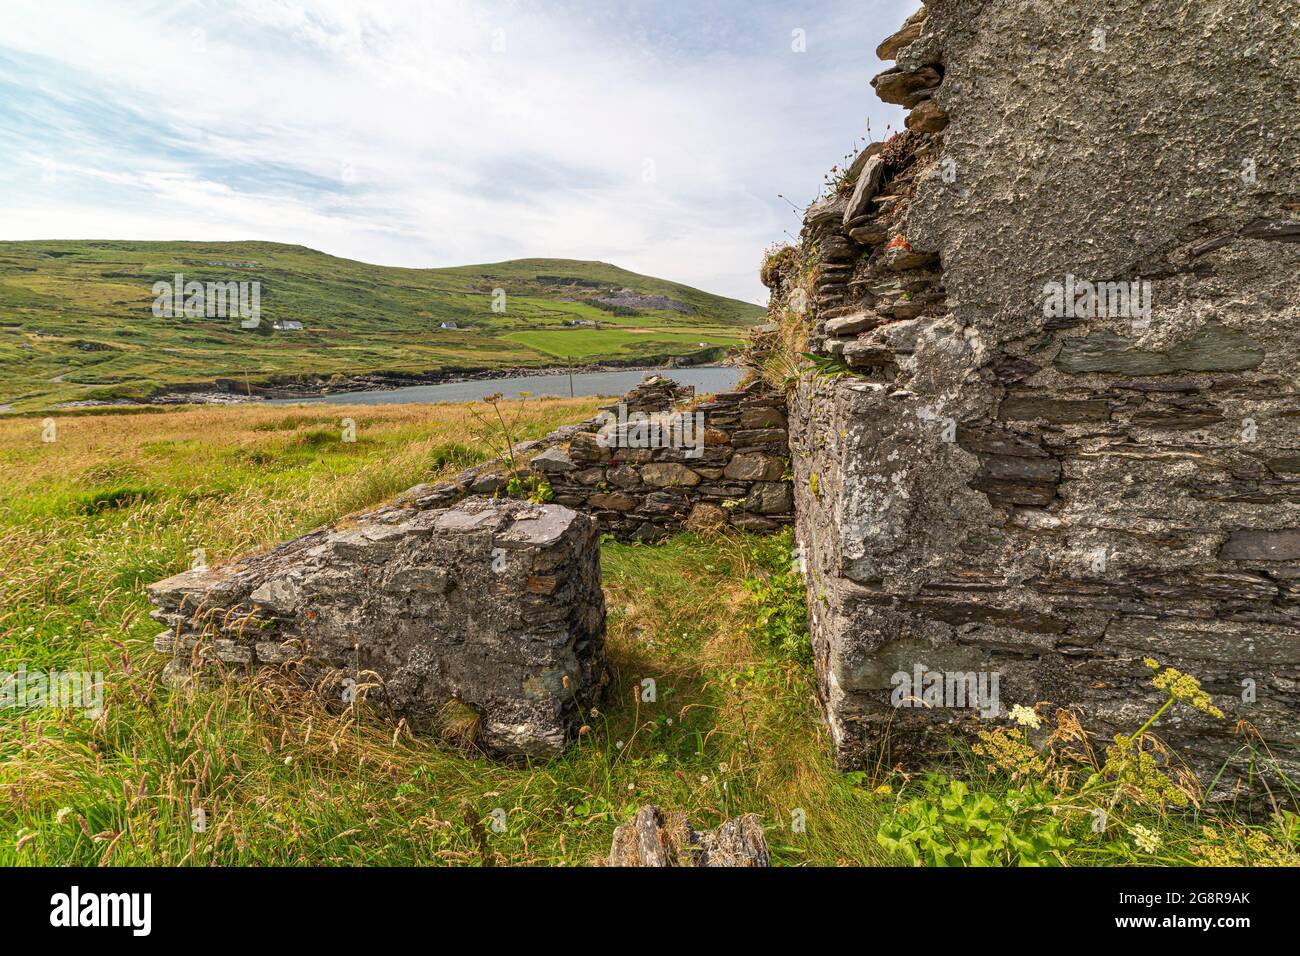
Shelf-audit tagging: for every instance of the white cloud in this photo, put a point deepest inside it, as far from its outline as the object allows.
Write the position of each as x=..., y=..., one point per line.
x=404, y=133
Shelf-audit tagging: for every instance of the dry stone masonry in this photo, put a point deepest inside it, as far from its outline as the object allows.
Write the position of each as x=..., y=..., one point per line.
x=462, y=595
x=495, y=605
x=658, y=461
x=1063, y=433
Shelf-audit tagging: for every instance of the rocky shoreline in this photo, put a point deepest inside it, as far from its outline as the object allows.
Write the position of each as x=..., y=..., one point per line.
x=225, y=391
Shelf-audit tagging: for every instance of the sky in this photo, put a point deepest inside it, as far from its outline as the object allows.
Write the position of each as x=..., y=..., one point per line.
x=654, y=135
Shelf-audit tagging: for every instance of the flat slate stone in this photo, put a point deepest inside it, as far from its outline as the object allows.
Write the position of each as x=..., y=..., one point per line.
x=1214, y=348
x=1281, y=545
x=553, y=460
x=864, y=190
x=1062, y=411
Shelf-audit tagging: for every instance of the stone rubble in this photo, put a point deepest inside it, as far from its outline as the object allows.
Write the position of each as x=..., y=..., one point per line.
x=652, y=840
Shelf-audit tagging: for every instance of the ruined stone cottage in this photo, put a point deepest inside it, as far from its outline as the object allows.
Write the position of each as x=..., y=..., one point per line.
x=1055, y=425
x=464, y=597
x=1051, y=427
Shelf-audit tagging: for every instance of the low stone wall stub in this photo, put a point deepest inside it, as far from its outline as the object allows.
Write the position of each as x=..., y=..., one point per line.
x=495, y=604
x=654, y=463
x=719, y=463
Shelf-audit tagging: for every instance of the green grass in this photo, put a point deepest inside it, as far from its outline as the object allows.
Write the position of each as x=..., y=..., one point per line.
x=121, y=500
x=76, y=319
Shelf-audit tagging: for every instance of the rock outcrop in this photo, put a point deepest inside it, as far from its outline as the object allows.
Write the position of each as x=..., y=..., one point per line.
x=1064, y=432
x=494, y=607
x=652, y=840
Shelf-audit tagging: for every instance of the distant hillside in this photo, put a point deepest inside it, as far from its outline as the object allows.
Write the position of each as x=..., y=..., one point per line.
x=77, y=319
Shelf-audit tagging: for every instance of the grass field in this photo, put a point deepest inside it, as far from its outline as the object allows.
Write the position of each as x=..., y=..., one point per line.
x=77, y=319
x=116, y=501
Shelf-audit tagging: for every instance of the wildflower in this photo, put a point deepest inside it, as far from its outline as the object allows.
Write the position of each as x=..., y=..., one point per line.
x=1148, y=840
x=1182, y=687
x=288, y=760
x=1242, y=848
x=619, y=745
x=1025, y=716
x=704, y=778
x=1140, y=775
x=584, y=729
x=1007, y=750
x=63, y=814
x=595, y=712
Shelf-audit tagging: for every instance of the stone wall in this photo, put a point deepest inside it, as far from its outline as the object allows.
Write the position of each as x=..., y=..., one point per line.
x=464, y=592
x=496, y=605
x=707, y=465
x=996, y=484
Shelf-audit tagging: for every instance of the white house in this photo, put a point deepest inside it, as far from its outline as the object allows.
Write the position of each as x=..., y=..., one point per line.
x=287, y=326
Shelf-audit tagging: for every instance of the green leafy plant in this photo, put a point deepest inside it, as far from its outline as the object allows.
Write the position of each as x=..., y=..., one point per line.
x=951, y=826
x=1115, y=806
x=778, y=605
x=535, y=489
x=828, y=366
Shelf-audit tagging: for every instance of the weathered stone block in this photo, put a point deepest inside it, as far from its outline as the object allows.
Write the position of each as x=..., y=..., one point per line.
x=553, y=460
x=668, y=475
x=770, y=498
x=495, y=604
x=760, y=436
x=906, y=88
x=762, y=417
x=652, y=840
x=754, y=467
x=615, y=501
x=624, y=476
x=1061, y=411
x=587, y=447
x=1212, y=349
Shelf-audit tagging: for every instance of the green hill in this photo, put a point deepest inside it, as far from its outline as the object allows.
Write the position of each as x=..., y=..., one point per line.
x=77, y=319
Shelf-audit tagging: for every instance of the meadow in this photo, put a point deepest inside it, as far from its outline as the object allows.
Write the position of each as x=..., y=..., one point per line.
x=77, y=321
x=112, y=502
